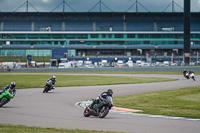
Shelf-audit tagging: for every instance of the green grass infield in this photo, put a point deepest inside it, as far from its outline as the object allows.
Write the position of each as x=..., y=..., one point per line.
x=38, y=81
x=184, y=102
x=4, y=128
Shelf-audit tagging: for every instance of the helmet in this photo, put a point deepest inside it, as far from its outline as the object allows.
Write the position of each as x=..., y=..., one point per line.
x=109, y=92
x=13, y=84
x=54, y=78
x=104, y=95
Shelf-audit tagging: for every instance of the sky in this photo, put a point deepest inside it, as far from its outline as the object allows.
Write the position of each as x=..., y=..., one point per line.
x=86, y=5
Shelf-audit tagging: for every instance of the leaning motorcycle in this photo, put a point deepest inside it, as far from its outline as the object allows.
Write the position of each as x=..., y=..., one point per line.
x=192, y=76
x=101, y=109
x=187, y=76
x=48, y=86
x=5, y=97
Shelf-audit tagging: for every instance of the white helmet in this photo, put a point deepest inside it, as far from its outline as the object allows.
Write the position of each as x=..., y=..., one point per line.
x=54, y=77
x=13, y=84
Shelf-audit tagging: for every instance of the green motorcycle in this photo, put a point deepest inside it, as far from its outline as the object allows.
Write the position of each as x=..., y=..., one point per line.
x=5, y=97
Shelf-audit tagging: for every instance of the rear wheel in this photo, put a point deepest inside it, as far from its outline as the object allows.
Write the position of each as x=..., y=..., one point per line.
x=3, y=102
x=86, y=112
x=103, y=111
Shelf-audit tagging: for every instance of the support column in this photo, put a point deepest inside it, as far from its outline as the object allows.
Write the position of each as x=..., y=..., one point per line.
x=2, y=24
x=32, y=26
x=155, y=26
x=94, y=26
x=63, y=26
x=124, y=26
x=187, y=51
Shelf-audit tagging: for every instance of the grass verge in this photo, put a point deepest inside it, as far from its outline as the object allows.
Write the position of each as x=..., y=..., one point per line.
x=38, y=81
x=4, y=128
x=184, y=102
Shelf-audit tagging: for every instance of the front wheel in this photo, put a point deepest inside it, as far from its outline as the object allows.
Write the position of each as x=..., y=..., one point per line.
x=86, y=112
x=45, y=90
x=193, y=78
x=3, y=102
x=103, y=111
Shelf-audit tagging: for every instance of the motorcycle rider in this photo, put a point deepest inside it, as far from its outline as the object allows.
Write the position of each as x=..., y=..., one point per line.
x=53, y=79
x=11, y=86
x=103, y=96
x=184, y=72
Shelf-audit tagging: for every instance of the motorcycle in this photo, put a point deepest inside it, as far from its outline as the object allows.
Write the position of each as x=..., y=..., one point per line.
x=192, y=76
x=187, y=76
x=101, y=109
x=48, y=86
x=5, y=97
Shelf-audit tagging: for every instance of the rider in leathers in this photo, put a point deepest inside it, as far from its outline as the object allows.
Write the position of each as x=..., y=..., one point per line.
x=53, y=79
x=184, y=72
x=103, y=96
x=11, y=87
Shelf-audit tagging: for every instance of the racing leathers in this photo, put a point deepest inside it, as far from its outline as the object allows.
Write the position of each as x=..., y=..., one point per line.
x=9, y=87
x=53, y=82
x=98, y=100
x=184, y=73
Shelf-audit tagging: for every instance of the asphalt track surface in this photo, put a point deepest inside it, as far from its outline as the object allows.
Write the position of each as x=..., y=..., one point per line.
x=57, y=109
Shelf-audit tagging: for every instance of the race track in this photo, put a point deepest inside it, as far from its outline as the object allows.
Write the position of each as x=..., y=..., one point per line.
x=57, y=109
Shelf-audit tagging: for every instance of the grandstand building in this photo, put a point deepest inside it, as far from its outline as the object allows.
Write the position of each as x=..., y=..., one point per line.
x=97, y=34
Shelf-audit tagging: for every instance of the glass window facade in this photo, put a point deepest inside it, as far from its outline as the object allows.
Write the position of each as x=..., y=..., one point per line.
x=131, y=36
x=72, y=52
x=16, y=52
x=119, y=36
x=97, y=38
x=94, y=36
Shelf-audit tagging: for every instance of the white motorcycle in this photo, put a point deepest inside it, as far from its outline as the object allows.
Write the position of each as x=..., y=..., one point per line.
x=192, y=76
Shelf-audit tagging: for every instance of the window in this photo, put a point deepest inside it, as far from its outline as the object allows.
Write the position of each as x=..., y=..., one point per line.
x=94, y=35
x=179, y=36
x=167, y=36
x=70, y=36
x=109, y=35
x=33, y=36
x=103, y=35
x=45, y=36
x=57, y=36
x=155, y=36
x=118, y=35
x=130, y=35
x=6, y=36
x=82, y=36
x=19, y=36
x=143, y=35
x=146, y=42
x=196, y=36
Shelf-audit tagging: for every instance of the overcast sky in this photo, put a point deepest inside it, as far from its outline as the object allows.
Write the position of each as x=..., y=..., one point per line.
x=86, y=5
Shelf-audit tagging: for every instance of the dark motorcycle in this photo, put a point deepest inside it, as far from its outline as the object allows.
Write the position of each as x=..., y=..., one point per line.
x=48, y=86
x=101, y=109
